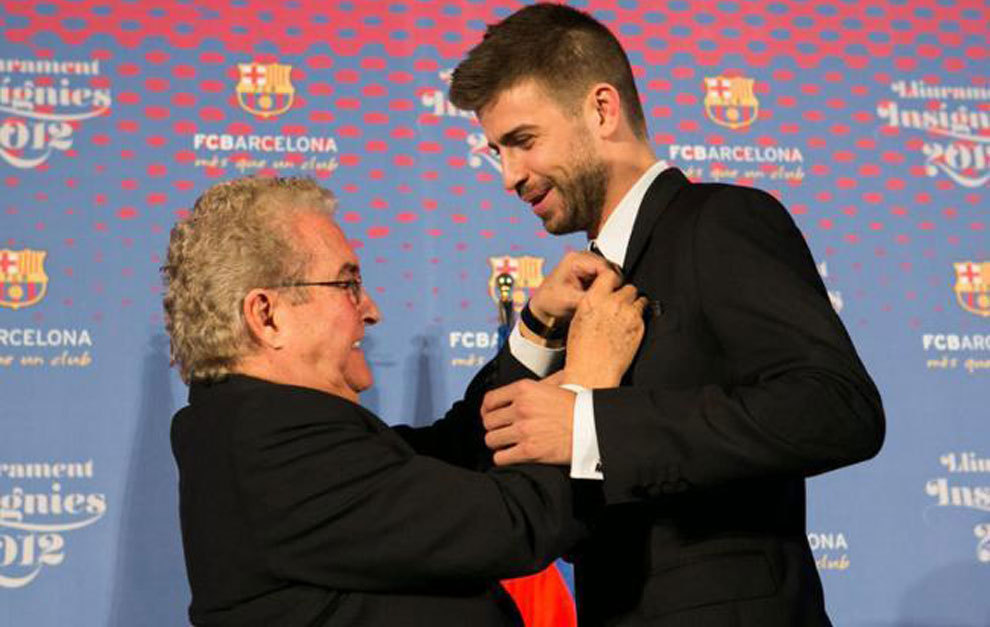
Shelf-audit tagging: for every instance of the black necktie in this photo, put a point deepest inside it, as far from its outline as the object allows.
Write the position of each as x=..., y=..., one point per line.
x=593, y=247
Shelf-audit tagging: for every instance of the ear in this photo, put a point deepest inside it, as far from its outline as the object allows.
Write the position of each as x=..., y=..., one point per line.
x=604, y=109
x=260, y=311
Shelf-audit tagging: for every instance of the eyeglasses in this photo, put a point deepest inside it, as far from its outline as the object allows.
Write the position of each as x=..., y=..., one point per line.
x=353, y=286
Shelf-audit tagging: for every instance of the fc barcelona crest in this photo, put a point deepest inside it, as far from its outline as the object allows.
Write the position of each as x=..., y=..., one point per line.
x=973, y=287
x=730, y=101
x=514, y=278
x=23, y=281
x=265, y=89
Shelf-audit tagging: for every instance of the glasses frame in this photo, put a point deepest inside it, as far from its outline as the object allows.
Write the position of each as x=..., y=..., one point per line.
x=355, y=287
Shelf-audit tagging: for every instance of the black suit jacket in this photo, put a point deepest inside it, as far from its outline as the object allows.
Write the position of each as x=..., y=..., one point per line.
x=745, y=384
x=301, y=508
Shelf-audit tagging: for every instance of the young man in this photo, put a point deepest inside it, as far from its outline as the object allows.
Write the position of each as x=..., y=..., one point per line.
x=746, y=381
x=300, y=507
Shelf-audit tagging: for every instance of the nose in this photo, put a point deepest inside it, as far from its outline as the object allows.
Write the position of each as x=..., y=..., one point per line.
x=370, y=313
x=513, y=176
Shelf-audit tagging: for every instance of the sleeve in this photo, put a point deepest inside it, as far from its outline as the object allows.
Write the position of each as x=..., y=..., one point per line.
x=538, y=359
x=586, y=461
x=795, y=398
x=459, y=437
x=337, y=504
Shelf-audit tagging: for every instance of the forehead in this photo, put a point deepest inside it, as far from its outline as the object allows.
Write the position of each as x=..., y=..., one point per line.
x=525, y=103
x=320, y=236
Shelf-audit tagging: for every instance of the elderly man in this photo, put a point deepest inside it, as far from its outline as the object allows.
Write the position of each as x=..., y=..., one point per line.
x=300, y=507
x=746, y=382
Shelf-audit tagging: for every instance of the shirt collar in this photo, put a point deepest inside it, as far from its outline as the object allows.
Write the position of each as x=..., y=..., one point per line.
x=613, y=240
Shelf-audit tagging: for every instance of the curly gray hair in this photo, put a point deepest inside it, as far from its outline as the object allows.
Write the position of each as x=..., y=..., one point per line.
x=237, y=237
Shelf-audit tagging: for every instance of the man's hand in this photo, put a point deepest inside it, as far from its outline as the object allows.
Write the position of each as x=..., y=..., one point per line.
x=605, y=334
x=559, y=294
x=529, y=421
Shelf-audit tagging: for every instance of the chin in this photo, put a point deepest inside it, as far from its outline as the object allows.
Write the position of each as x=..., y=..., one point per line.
x=559, y=228
x=552, y=223
x=360, y=382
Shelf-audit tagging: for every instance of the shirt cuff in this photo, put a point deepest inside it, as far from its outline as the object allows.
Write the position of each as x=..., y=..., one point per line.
x=585, y=457
x=539, y=359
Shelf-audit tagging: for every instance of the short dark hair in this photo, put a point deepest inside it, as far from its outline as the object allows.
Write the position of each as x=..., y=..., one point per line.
x=564, y=49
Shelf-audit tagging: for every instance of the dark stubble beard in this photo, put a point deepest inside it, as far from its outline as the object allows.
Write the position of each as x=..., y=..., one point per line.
x=582, y=192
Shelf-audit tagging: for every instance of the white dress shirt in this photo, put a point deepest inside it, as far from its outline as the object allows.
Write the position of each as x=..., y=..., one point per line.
x=612, y=242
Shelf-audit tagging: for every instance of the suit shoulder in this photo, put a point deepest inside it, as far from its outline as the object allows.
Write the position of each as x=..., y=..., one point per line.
x=273, y=396
x=696, y=198
x=288, y=405
x=251, y=406
x=737, y=205
x=726, y=194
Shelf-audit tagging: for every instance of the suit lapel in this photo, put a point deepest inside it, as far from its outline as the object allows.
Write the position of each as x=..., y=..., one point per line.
x=657, y=198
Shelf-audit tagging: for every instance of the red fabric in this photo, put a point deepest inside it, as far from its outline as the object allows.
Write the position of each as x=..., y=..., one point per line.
x=543, y=599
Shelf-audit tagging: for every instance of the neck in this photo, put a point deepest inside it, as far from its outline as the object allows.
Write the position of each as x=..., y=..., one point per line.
x=262, y=367
x=629, y=164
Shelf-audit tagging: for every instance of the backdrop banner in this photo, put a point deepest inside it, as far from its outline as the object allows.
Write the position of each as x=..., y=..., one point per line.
x=870, y=121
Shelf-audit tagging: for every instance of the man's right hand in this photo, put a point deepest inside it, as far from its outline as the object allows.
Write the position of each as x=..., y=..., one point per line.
x=557, y=298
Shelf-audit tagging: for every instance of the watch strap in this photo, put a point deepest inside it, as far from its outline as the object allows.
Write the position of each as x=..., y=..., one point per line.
x=533, y=323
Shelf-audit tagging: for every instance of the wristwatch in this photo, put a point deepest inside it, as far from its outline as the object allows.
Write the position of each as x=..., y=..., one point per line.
x=552, y=332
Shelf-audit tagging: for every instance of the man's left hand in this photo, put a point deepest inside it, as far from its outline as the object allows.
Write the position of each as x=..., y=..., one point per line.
x=529, y=421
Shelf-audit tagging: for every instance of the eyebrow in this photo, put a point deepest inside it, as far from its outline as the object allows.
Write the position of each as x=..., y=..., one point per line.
x=512, y=137
x=349, y=269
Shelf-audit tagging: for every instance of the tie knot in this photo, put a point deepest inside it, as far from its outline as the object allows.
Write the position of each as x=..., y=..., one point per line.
x=593, y=247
